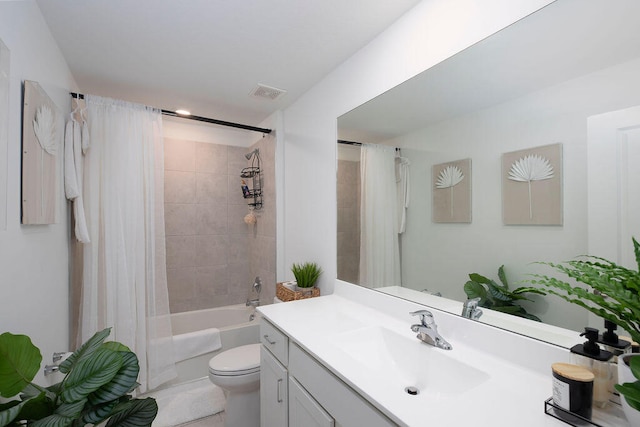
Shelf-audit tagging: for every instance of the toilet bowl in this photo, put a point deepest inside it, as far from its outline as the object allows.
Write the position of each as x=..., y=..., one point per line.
x=237, y=373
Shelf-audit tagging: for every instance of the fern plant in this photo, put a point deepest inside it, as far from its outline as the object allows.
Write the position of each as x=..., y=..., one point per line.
x=498, y=297
x=306, y=274
x=616, y=289
x=99, y=377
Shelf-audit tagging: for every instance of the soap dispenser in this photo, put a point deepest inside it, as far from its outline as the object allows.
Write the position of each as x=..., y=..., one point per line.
x=611, y=341
x=592, y=357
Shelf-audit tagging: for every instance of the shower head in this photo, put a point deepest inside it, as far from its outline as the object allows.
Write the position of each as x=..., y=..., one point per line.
x=248, y=155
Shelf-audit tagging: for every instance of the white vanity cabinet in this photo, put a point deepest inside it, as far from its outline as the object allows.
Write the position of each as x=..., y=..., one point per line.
x=274, y=400
x=296, y=390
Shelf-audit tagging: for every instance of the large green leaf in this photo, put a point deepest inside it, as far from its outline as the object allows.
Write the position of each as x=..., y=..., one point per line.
x=475, y=290
x=99, y=413
x=503, y=277
x=478, y=278
x=19, y=363
x=53, y=420
x=135, y=413
x=36, y=407
x=90, y=373
x=71, y=410
x=85, y=350
x=9, y=411
x=121, y=383
x=631, y=393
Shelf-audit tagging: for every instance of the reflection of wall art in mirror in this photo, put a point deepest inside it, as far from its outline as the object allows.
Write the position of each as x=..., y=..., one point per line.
x=41, y=135
x=452, y=192
x=532, y=186
x=4, y=131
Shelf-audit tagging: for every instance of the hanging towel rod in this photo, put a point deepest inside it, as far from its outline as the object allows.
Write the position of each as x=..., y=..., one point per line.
x=200, y=119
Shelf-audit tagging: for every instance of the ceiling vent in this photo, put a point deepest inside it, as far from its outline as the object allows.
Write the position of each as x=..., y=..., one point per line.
x=267, y=92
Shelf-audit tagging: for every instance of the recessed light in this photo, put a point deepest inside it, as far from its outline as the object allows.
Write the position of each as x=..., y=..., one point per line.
x=183, y=112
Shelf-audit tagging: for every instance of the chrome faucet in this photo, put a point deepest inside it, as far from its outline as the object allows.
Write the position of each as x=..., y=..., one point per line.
x=470, y=309
x=428, y=330
x=256, y=287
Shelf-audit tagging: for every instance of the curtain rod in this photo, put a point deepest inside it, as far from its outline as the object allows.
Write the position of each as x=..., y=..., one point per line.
x=358, y=144
x=200, y=119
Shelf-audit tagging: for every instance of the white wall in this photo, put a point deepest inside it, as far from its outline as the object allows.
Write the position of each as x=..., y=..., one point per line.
x=554, y=115
x=34, y=260
x=429, y=33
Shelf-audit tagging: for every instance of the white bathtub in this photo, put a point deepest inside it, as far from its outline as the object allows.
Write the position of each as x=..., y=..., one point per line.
x=235, y=330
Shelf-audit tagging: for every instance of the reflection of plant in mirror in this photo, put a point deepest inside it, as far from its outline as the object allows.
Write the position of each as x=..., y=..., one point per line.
x=499, y=297
x=99, y=377
x=616, y=289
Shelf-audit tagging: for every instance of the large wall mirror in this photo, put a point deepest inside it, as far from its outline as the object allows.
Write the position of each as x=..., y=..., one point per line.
x=534, y=84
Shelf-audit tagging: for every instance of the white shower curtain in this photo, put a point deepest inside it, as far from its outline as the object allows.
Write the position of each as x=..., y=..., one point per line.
x=379, y=247
x=124, y=282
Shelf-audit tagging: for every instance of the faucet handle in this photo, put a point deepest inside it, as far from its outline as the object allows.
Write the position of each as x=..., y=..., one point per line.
x=426, y=317
x=472, y=302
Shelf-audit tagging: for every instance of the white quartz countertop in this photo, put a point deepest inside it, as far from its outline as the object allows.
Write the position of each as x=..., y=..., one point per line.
x=507, y=395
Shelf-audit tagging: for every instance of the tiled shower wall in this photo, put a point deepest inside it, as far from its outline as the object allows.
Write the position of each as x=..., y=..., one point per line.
x=212, y=255
x=348, y=194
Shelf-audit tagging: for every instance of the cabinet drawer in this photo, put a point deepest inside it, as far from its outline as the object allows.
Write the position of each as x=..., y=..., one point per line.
x=347, y=407
x=275, y=341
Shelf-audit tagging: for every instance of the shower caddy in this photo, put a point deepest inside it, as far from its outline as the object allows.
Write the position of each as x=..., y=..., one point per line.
x=254, y=193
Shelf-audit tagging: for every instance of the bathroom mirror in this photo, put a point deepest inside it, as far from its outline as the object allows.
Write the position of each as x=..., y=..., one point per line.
x=533, y=84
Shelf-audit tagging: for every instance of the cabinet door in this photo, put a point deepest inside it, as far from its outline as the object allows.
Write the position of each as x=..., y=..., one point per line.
x=273, y=391
x=304, y=411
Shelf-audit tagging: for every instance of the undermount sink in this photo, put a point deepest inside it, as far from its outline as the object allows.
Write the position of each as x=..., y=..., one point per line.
x=402, y=362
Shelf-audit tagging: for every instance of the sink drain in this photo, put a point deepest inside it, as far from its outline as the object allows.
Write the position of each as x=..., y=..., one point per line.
x=412, y=390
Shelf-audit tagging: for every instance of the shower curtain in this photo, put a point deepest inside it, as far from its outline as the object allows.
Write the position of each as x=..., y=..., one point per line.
x=124, y=282
x=379, y=247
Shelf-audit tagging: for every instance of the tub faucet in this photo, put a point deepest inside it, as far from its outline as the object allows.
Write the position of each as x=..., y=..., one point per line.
x=257, y=287
x=470, y=309
x=428, y=330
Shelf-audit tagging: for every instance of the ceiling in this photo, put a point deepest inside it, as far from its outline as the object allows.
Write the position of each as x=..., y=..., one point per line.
x=206, y=56
x=534, y=53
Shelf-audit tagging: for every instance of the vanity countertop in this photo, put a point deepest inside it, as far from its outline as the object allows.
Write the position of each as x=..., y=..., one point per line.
x=505, y=393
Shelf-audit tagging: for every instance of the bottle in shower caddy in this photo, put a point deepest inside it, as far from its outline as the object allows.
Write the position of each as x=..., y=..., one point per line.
x=592, y=357
x=245, y=188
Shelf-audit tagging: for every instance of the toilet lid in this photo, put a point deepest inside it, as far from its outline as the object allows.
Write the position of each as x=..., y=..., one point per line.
x=236, y=361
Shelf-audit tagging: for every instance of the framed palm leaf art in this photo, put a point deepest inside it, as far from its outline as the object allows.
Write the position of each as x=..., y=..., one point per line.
x=532, y=186
x=452, y=192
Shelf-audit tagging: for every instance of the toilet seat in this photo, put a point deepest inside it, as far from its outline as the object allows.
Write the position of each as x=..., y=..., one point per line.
x=241, y=360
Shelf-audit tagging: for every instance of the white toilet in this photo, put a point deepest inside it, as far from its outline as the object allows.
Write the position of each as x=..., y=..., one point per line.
x=237, y=372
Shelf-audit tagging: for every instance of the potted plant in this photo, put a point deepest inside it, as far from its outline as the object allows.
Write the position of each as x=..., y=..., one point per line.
x=628, y=370
x=498, y=297
x=611, y=292
x=306, y=274
x=99, y=378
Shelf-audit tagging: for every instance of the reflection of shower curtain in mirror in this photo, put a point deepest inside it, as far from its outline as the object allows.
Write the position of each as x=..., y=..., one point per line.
x=379, y=247
x=124, y=283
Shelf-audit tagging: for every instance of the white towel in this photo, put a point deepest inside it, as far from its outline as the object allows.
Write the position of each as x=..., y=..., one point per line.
x=70, y=180
x=73, y=175
x=192, y=344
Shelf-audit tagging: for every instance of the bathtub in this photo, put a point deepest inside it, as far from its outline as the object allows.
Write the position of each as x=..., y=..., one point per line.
x=236, y=329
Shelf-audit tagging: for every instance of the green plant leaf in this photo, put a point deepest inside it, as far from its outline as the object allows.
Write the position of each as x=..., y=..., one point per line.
x=71, y=410
x=115, y=346
x=631, y=393
x=53, y=420
x=85, y=350
x=475, y=290
x=19, y=363
x=634, y=364
x=121, y=383
x=99, y=413
x=478, y=278
x=135, y=413
x=37, y=407
x=503, y=277
x=530, y=290
x=306, y=274
x=9, y=411
x=90, y=373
